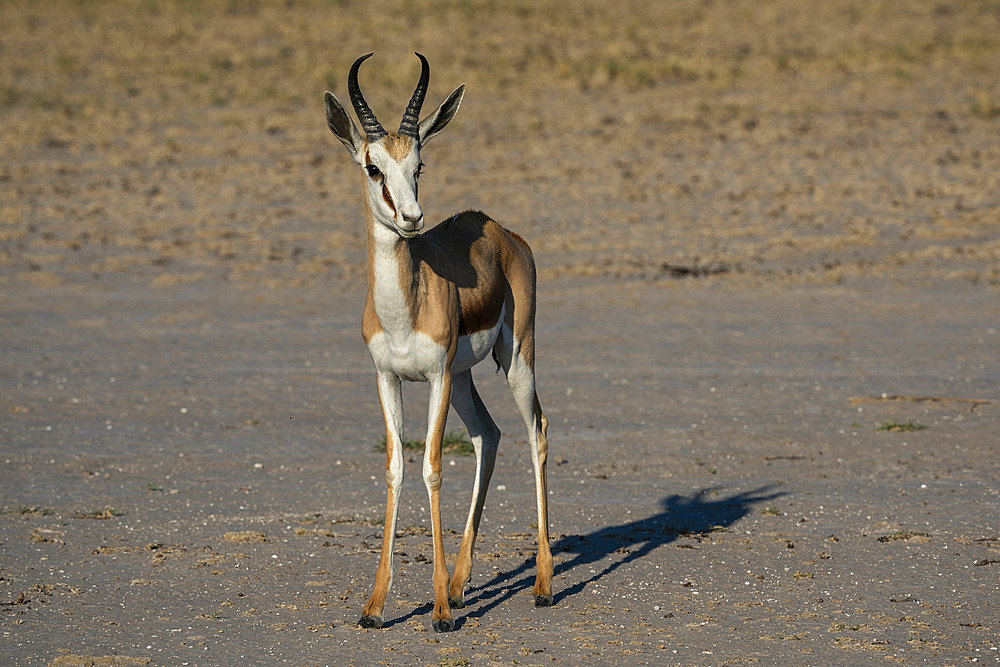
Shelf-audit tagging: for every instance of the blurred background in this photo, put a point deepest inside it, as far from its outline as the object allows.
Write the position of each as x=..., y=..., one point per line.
x=183, y=141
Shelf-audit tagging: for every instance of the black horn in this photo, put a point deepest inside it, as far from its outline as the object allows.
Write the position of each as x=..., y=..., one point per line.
x=411, y=117
x=369, y=123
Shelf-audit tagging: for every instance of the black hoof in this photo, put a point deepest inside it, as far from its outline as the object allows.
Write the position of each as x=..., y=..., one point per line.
x=370, y=622
x=444, y=625
x=456, y=603
x=543, y=600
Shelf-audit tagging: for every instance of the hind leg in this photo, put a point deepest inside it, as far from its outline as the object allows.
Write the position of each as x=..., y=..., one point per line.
x=521, y=379
x=485, y=438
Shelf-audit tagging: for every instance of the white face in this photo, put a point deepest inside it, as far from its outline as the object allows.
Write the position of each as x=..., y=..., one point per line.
x=391, y=167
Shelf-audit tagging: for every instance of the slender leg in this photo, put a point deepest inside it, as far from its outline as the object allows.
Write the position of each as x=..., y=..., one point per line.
x=485, y=439
x=391, y=397
x=521, y=379
x=437, y=413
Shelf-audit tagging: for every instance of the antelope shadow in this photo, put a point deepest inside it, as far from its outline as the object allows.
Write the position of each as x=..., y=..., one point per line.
x=700, y=513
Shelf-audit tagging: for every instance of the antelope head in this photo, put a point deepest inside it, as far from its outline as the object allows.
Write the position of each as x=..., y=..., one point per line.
x=390, y=161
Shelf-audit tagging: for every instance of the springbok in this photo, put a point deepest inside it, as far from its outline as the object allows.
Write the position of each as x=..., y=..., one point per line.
x=438, y=303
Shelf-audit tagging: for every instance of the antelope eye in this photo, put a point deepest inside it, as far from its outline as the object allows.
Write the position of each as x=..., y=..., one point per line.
x=416, y=174
x=373, y=171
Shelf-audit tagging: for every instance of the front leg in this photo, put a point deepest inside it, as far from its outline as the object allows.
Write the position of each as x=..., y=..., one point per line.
x=437, y=414
x=391, y=397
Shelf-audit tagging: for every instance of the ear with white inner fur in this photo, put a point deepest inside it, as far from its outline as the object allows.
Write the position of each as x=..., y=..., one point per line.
x=343, y=127
x=442, y=115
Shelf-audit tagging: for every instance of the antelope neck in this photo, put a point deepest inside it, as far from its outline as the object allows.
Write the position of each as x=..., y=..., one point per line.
x=392, y=281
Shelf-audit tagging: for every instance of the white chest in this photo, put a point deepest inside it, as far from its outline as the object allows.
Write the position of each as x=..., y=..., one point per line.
x=412, y=356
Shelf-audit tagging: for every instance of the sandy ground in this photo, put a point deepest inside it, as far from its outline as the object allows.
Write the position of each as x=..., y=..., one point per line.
x=743, y=281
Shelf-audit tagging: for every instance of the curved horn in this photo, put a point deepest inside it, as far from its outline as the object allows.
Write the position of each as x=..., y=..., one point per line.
x=411, y=117
x=369, y=123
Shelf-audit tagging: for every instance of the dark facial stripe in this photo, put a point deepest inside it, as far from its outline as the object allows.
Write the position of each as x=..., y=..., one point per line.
x=388, y=198
x=385, y=191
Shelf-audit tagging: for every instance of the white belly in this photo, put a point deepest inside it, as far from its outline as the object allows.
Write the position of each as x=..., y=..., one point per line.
x=475, y=347
x=415, y=357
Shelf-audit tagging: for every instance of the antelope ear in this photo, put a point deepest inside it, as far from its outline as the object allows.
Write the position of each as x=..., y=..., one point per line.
x=343, y=127
x=437, y=121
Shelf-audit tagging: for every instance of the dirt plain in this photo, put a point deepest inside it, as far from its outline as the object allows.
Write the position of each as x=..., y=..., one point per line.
x=769, y=247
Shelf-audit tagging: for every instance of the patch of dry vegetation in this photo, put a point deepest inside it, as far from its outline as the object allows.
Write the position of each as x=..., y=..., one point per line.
x=115, y=55
x=177, y=142
x=245, y=536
